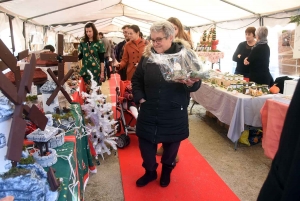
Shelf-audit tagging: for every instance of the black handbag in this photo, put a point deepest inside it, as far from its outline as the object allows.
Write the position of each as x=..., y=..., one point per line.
x=123, y=73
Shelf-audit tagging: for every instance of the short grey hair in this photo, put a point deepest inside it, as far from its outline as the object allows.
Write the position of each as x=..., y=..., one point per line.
x=262, y=32
x=163, y=26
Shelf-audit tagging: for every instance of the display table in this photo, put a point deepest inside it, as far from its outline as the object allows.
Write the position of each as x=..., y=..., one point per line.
x=213, y=57
x=70, y=188
x=76, y=144
x=234, y=110
x=63, y=169
x=273, y=115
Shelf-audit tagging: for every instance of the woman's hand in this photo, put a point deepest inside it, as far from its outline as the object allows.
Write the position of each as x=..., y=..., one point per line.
x=142, y=101
x=188, y=82
x=239, y=56
x=117, y=64
x=246, y=62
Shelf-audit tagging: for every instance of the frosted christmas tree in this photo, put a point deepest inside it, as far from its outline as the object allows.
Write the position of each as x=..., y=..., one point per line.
x=204, y=36
x=214, y=41
x=103, y=126
x=214, y=34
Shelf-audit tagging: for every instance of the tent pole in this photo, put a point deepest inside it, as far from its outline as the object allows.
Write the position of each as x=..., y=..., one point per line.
x=10, y=18
x=24, y=33
x=181, y=10
x=5, y=1
x=261, y=21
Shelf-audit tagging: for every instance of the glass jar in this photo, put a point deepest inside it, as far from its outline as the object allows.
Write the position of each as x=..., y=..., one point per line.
x=265, y=88
x=239, y=85
x=233, y=86
x=251, y=84
x=246, y=90
x=253, y=90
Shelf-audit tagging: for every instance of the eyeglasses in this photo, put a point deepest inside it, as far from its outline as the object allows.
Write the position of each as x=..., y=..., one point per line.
x=157, y=40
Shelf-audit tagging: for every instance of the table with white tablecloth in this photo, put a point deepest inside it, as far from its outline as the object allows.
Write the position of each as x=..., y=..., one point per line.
x=235, y=110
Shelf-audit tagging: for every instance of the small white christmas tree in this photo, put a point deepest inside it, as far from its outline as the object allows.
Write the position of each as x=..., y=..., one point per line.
x=99, y=112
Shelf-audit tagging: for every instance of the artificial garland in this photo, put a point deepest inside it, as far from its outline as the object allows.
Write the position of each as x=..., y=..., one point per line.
x=295, y=19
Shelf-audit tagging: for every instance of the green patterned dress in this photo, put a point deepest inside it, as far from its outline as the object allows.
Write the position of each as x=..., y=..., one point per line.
x=90, y=59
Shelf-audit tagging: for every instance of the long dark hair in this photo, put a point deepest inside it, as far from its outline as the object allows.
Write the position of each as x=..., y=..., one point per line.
x=95, y=32
x=181, y=34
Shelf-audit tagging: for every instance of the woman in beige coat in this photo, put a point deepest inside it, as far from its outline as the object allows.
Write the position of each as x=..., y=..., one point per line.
x=133, y=51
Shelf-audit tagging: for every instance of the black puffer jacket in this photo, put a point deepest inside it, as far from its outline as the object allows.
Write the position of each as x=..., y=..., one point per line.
x=163, y=117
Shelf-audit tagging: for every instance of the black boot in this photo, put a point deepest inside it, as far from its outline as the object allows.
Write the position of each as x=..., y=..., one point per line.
x=146, y=178
x=165, y=175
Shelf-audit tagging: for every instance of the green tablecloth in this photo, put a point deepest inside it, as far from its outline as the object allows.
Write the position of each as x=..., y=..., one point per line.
x=63, y=170
x=81, y=160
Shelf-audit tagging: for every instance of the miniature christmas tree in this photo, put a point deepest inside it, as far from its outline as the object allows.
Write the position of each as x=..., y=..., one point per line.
x=210, y=35
x=204, y=36
x=214, y=35
x=102, y=126
x=214, y=42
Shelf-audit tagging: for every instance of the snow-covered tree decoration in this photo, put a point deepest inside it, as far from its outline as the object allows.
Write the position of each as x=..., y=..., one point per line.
x=214, y=34
x=204, y=36
x=99, y=112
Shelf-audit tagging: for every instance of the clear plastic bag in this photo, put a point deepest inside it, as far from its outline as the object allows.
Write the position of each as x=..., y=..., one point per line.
x=179, y=66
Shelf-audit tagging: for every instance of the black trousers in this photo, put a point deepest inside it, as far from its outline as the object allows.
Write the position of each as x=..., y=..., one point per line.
x=148, y=152
x=106, y=67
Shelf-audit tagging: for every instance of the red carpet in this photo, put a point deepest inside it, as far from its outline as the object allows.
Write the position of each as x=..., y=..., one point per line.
x=192, y=178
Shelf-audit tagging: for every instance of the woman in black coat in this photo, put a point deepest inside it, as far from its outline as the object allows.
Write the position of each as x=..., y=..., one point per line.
x=259, y=59
x=242, y=51
x=163, y=116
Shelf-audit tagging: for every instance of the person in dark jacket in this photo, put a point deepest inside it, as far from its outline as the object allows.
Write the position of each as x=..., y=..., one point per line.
x=119, y=49
x=242, y=51
x=259, y=59
x=163, y=116
x=283, y=181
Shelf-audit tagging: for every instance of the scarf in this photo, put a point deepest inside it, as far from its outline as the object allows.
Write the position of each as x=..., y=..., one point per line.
x=260, y=42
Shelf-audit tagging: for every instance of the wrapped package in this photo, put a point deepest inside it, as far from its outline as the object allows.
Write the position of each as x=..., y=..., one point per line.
x=180, y=66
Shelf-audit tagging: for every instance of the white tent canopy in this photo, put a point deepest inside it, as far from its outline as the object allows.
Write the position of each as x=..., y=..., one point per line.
x=141, y=12
x=230, y=17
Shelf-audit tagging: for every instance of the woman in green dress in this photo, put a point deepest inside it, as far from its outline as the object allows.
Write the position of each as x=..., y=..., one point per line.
x=91, y=50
